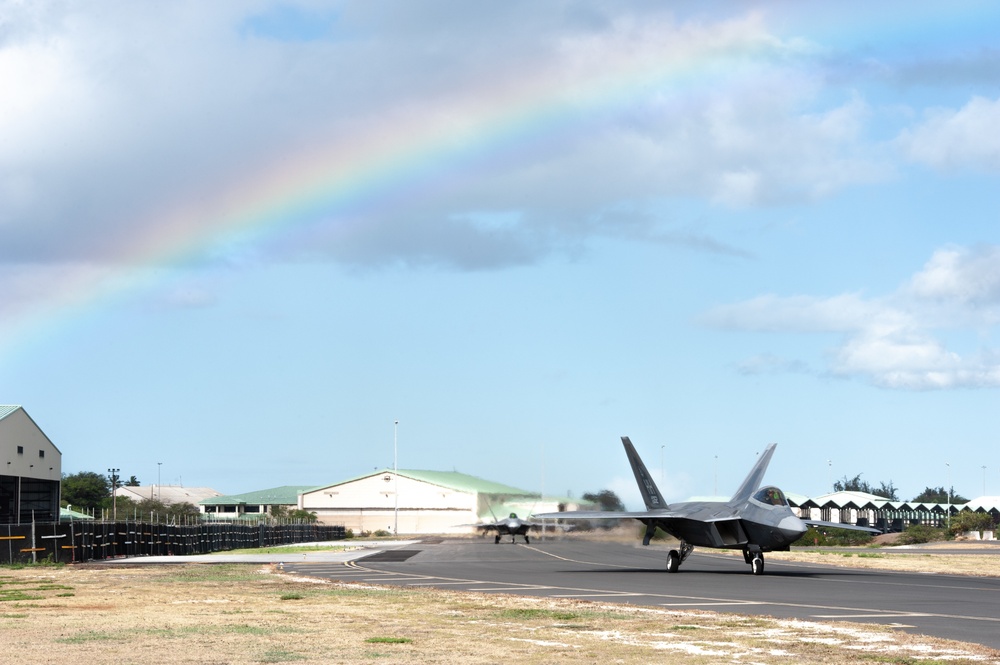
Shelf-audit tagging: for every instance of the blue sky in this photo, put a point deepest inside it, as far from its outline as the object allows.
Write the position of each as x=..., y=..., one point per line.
x=238, y=241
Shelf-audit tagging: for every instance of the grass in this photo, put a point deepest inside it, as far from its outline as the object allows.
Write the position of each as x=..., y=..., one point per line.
x=527, y=614
x=85, y=637
x=289, y=549
x=238, y=613
x=14, y=590
x=213, y=572
x=279, y=656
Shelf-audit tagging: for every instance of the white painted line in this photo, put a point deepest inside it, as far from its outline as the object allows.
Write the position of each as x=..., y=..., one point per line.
x=908, y=615
x=510, y=588
x=444, y=583
x=595, y=595
x=713, y=604
x=402, y=579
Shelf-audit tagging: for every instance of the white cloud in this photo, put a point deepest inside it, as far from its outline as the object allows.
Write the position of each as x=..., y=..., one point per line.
x=965, y=275
x=963, y=138
x=768, y=363
x=893, y=341
x=123, y=114
x=772, y=313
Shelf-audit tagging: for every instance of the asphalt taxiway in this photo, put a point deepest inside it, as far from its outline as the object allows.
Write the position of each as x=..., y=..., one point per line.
x=950, y=606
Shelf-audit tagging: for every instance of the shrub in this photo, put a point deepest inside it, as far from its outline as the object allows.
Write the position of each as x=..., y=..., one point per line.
x=919, y=533
x=966, y=520
x=831, y=537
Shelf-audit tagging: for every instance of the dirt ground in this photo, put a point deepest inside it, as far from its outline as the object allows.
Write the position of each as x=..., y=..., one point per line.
x=246, y=613
x=920, y=560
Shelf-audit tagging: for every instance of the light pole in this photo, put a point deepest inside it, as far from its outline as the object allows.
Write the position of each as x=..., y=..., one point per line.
x=159, y=465
x=114, y=502
x=948, y=489
x=395, y=478
x=715, y=486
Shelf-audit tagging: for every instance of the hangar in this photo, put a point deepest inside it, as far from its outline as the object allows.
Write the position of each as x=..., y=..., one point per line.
x=29, y=484
x=865, y=509
x=415, y=502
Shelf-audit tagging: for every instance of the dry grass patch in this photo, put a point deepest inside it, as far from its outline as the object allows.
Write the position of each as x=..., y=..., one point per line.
x=235, y=613
x=982, y=565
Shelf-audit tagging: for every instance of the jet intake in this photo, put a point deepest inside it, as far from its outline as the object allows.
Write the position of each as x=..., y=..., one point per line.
x=729, y=533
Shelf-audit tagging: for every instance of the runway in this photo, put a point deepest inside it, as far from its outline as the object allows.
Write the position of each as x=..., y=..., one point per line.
x=948, y=606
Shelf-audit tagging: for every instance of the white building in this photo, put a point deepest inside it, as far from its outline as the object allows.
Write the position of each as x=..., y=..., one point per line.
x=419, y=502
x=31, y=470
x=167, y=494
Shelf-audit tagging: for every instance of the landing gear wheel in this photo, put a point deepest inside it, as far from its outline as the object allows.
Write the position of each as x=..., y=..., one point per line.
x=673, y=561
x=757, y=564
x=497, y=540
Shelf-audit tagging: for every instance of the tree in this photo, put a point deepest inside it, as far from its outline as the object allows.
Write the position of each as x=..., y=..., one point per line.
x=855, y=484
x=183, y=511
x=133, y=482
x=888, y=491
x=86, y=489
x=154, y=507
x=279, y=512
x=607, y=500
x=967, y=520
x=304, y=516
x=121, y=507
x=939, y=495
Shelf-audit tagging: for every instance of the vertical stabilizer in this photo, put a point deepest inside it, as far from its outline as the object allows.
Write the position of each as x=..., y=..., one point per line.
x=754, y=478
x=650, y=494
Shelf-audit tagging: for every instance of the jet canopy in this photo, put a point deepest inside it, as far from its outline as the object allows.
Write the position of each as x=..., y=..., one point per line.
x=771, y=496
x=513, y=516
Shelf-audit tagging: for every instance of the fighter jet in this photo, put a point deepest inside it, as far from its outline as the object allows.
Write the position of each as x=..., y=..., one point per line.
x=753, y=520
x=510, y=526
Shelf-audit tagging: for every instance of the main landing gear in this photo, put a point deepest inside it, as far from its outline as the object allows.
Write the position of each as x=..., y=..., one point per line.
x=756, y=560
x=675, y=558
x=513, y=539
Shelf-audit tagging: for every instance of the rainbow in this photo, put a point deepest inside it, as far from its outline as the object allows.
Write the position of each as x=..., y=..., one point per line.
x=376, y=169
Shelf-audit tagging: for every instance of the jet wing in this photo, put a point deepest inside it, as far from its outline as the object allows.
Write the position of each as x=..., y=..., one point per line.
x=484, y=527
x=608, y=515
x=838, y=525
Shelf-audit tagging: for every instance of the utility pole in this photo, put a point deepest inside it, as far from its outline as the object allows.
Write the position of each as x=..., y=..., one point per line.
x=947, y=464
x=114, y=502
x=395, y=476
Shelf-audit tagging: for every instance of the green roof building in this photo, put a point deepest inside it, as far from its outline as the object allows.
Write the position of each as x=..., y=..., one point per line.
x=418, y=502
x=252, y=504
